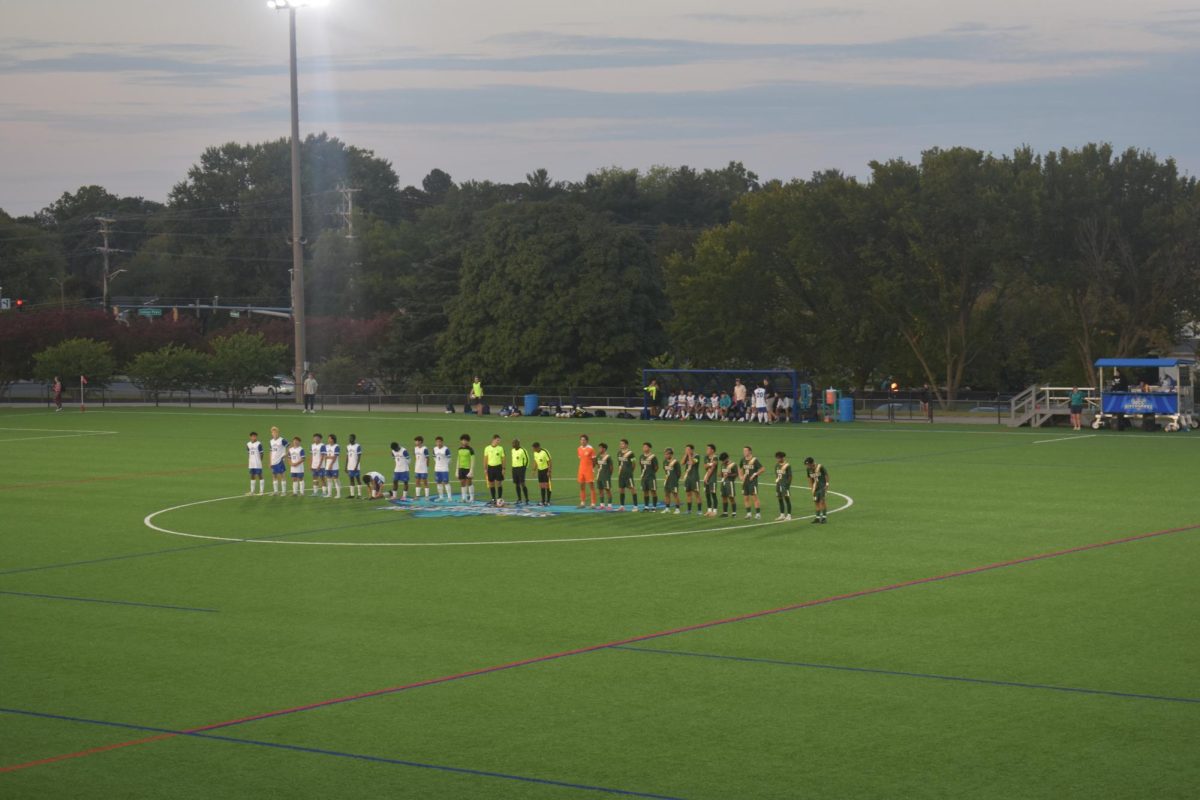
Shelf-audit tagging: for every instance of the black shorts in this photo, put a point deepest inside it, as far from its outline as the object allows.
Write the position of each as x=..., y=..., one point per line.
x=495, y=474
x=625, y=481
x=543, y=476
x=1076, y=409
x=463, y=473
x=649, y=483
x=518, y=475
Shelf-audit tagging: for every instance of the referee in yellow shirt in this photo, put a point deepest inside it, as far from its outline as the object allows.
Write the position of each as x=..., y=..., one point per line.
x=520, y=461
x=542, y=461
x=493, y=459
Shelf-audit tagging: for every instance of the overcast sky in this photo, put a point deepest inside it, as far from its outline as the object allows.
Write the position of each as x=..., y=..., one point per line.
x=127, y=93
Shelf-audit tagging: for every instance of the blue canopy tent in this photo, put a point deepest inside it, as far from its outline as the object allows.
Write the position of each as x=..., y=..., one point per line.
x=1170, y=396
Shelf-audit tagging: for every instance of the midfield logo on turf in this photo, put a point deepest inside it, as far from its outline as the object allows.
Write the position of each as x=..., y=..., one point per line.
x=439, y=510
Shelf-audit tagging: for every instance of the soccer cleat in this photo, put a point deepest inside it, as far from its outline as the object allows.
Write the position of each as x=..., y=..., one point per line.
x=747, y=515
x=815, y=521
x=635, y=509
x=758, y=516
x=787, y=517
x=677, y=511
x=620, y=508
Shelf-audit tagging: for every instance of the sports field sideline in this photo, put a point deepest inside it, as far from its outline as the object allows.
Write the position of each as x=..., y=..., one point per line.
x=990, y=613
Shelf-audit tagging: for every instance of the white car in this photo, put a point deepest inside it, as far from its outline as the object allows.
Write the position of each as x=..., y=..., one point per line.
x=284, y=385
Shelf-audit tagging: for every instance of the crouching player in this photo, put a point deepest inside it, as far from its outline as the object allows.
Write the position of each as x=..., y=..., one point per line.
x=374, y=482
x=353, y=464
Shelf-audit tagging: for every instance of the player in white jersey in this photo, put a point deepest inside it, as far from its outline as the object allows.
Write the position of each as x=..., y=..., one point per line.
x=374, y=483
x=317, y=463
x=760, y=404
x=278, y=462
x=353, y=465
x=400, y=474
x=333, y=454
x=254, y=450
x=296, y=460
x=441, y=467
x=420, y=468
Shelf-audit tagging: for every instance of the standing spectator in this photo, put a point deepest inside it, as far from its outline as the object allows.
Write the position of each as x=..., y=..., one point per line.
x=652, y=398
x=477, y=395
x=310, y=394
x=1075, y=402
x=927, y=402
x=57, y=394
x=739, y=398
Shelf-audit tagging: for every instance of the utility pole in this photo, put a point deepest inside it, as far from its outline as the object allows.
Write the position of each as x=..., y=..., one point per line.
x=347, y=212
x=104, y=223
x=297, y=234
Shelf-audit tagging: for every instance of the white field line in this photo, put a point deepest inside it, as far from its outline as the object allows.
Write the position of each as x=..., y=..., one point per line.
x=55, y=430
x=60, y=436
x=150, y=524
x=1068, y=438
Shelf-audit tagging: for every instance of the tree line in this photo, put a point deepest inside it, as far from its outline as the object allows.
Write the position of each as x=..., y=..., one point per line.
x=963, y=268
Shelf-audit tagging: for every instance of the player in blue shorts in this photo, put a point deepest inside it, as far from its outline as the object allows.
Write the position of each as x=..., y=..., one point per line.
x=353, y=465
x=374, y=483
x=441, y=468
x=317, y=463
x=400, y=473
x=296, y=460
x=333, y=453
x=278, y=462
x=254, y=450
x=420, y=468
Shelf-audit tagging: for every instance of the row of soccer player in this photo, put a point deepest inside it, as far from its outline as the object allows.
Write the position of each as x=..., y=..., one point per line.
x=717, y=472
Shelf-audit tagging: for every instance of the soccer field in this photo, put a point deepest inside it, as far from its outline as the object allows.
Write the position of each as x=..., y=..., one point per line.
x=990, y=613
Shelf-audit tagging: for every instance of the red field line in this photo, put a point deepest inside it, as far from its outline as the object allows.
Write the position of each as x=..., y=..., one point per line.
x=605, y=645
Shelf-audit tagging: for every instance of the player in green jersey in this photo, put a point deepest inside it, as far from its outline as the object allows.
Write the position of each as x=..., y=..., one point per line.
x=749, y=468
x=649, y=463
x=711, y=473
x=728, y=476
x=625, y=462
x=604, y=470
x=671, y=471
x=691, y=476
x=783, y=485
x=818, y=481
x=466, y=467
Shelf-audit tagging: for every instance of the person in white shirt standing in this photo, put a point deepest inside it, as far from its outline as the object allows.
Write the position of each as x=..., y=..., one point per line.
x=278, y=463
x=317, y=464
x=333, y=453
x=441, y=468
x=353, y=468
x=296, y=459
x=254, y=450
x=760, y=404
x=400, y=474
x=310, y=394
x=420, y=468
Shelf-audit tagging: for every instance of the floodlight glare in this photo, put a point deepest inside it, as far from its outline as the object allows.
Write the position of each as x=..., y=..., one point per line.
x=281, y=5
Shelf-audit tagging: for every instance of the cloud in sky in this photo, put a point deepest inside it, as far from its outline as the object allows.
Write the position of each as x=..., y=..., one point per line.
x=775, y=84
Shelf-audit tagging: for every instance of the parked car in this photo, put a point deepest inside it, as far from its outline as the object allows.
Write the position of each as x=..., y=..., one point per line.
x=283, y=385
x=900, y=406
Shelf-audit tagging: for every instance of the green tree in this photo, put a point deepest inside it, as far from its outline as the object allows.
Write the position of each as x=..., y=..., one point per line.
x=74, y=358
x=172, y=368
x=244, y=360
x=553, y=294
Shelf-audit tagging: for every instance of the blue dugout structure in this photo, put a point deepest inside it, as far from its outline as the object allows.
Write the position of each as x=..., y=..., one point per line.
x=1170, y=396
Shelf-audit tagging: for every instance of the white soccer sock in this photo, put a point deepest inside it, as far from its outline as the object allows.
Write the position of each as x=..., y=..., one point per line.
x=262, y=485
x=337, y=488
x=252, y=486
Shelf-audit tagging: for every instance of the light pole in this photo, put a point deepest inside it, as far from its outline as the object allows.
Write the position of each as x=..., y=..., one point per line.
x=290, y=6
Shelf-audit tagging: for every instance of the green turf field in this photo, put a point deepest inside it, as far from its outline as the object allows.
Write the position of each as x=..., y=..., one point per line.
x=507, y=657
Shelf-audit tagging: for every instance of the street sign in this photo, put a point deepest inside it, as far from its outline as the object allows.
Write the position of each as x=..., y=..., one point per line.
x=5, y=303
x=150, y=312
x=235, y=314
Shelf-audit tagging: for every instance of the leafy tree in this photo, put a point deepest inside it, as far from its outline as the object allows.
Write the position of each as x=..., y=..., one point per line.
x=553, y=294
x=243, y=360
x=29, y=256
x=75, y=357
x=169, y=369
x=340, y=374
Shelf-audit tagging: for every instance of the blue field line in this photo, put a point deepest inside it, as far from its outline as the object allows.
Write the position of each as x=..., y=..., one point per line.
x=479, y=773
x=899, y=673
x=149, y=553
x=107, y=602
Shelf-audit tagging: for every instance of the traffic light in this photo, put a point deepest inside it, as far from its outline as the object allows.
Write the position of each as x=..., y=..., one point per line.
x=20, y=304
